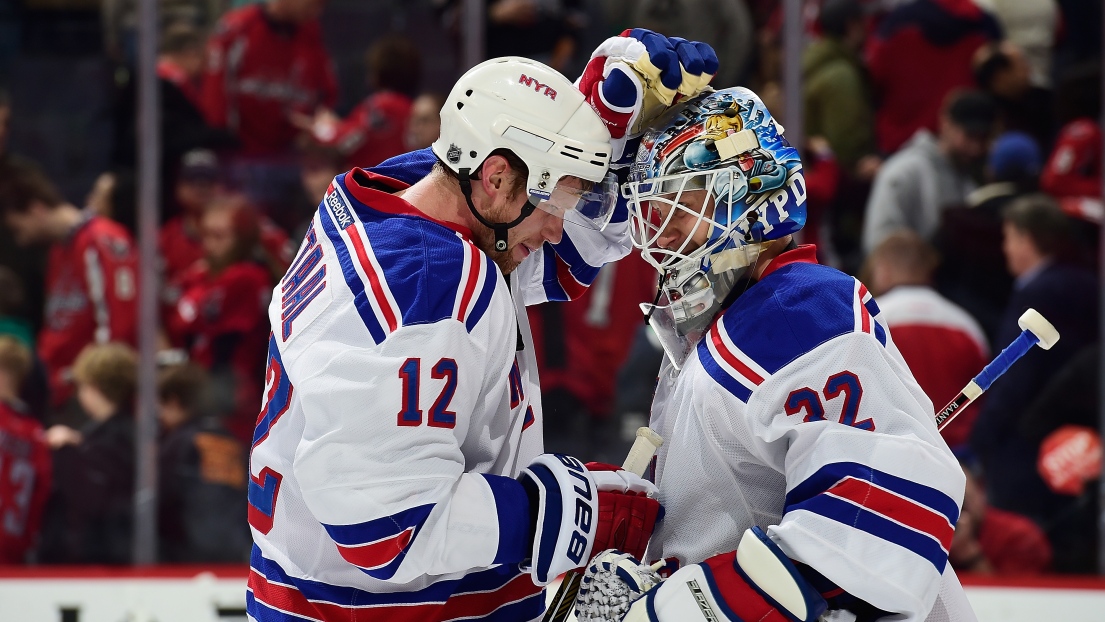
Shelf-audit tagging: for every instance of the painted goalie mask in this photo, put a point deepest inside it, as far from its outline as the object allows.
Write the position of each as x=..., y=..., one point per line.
x=709, y=188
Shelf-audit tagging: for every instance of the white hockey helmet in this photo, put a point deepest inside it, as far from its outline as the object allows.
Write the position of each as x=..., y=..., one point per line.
x=538, y=114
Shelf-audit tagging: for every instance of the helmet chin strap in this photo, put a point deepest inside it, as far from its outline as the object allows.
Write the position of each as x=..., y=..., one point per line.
x=500, y=228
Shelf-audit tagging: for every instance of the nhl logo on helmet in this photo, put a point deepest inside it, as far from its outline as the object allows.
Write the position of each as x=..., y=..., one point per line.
x=453, y=155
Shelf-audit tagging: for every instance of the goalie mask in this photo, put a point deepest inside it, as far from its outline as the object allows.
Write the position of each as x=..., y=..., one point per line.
x=709, y=189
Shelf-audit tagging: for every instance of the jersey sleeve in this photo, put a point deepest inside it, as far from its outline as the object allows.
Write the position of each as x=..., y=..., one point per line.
x=381, y=462
x=873, y=493
x=110, y=268
x=563, y=271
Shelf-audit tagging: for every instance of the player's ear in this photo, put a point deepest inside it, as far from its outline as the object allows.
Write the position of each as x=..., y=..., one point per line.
x=495, y=174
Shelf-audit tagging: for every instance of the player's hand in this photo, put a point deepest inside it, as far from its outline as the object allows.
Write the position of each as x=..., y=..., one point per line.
x=612, y=582
x=564, y=525
x=633, y=78
x=628, y=509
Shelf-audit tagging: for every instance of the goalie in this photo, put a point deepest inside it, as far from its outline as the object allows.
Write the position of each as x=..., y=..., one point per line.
x=802, y=473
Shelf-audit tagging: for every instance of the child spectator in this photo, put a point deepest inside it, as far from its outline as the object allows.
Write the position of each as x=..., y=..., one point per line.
x=90, y=275
x=94, y=467
x=376, y=129
x=221, y=315
x=25, y=467
x=425, y=124
x=179, y=239
x=942, y=344
x=265, y=61
x=202, y=501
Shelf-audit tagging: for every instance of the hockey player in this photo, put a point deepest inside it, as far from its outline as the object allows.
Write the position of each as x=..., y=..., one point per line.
x=801, y=468
x=396, y=469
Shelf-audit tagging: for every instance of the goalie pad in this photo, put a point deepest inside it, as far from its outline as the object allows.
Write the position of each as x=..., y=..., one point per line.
x=756, y=582
x=563, y=502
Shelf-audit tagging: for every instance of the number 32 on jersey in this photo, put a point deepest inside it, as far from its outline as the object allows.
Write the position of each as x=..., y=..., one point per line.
x=846, y=385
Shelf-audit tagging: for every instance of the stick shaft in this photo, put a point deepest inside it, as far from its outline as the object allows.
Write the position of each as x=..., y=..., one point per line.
x=993, y=370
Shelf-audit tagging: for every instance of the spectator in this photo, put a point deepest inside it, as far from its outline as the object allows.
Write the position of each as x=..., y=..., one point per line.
x=34, y=391
x=1036, y=238
x=91, y=272
x=30, y=264
x=544, y=30
x=94, y=467
x=222, y=311
x=1073, y=169
x=1070, y=398
x=931, y=173
x=25, y=468
x=972, y=273
x=425, y=124
x=318, y=168
x=835, y=90
x=1030, y=25
x=264, y=62
x=726, y=25
x=942, y=344
x=199, y=185
x=989, y=540
x=376, y=129
x=1002, y=70
x=201, y=501
x=180, y=65
x=920, y=53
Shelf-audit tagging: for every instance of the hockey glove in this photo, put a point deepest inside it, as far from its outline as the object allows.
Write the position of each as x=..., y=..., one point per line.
x=613, y=581
x=628, y=509
x=755, y=582
x=563, y=503
x=633, y=78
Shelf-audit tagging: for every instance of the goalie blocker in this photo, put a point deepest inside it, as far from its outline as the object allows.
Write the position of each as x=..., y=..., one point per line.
x=756, y=582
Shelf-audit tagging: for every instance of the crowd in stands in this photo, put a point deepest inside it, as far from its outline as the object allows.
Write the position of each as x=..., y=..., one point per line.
x=952, y=157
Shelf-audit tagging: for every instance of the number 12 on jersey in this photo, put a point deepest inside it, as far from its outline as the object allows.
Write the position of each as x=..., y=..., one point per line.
x=411, y=413
x=806, y=400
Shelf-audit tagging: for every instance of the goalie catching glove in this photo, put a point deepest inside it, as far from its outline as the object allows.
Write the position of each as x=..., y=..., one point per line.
x=633, y=78
x=757, y=582
x=576, y=509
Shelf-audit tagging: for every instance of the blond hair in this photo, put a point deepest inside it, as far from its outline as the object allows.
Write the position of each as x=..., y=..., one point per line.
x=15, y=359
x=110, y=368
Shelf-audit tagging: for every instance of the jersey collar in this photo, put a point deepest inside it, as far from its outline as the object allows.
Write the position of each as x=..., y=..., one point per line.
x=378, y=192
x=806, y=253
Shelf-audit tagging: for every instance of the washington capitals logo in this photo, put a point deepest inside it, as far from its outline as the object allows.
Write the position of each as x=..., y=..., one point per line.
x=453, y=155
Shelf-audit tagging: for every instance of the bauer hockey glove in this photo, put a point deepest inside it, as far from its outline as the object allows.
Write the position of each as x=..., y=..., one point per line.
x=628, y=509
x=563, y=500
x=633, y=78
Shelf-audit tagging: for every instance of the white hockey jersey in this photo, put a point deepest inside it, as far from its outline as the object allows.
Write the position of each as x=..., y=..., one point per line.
x=796, y=413
x=401, y=401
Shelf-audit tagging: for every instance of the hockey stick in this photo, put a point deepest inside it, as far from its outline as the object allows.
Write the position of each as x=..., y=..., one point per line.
x=1035, y=330
x=640, y=455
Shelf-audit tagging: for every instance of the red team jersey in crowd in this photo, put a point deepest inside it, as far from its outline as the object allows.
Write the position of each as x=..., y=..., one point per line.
x=258, y=72
x=374, y=131
x=943, y=346
x=181, y=248
x=1013, y=544
x=1074, y=167
x=25, y=470
x=91, y=283
x=222, y=317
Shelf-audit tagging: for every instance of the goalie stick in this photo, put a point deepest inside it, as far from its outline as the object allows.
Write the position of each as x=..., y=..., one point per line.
x=640, y=455
x=1035, y=330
